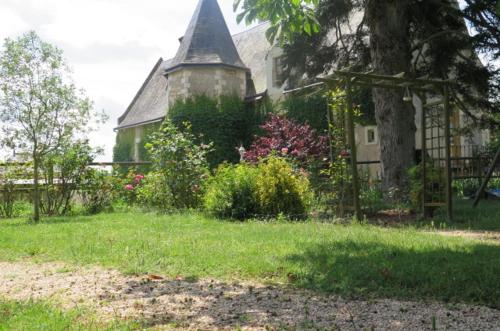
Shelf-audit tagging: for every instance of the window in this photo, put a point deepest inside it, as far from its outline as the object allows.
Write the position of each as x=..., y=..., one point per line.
x=278, y=71
x=371, y=135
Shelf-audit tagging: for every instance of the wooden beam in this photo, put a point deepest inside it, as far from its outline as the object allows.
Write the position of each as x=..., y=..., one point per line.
x=496, y=160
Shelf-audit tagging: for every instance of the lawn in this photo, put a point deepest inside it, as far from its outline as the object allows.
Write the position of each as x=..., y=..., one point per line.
x=355, y=260
x=42, y=316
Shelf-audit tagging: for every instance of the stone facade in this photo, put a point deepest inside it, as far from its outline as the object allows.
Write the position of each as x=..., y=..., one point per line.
x=212, y=81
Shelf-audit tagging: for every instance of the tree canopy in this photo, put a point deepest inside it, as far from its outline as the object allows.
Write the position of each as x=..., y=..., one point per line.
x=41, y=109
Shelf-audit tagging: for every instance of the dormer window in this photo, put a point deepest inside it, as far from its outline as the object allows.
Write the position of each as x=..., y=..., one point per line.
x=278, y=71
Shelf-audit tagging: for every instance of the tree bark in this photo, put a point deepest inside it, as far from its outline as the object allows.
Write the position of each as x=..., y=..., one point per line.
x=36, y=189
x=388, y=22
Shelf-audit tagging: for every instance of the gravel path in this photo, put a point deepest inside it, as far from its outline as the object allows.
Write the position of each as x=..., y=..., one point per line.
x=213, y=305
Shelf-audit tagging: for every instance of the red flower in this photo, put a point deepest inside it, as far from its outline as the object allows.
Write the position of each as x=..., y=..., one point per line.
x=345, y=153
x=129, y=187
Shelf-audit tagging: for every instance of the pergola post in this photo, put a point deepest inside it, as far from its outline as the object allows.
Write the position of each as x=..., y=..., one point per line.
x=447, y=115
x=354, y=157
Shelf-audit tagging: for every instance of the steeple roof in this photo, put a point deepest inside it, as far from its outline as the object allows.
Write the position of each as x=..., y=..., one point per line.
x=207, y=40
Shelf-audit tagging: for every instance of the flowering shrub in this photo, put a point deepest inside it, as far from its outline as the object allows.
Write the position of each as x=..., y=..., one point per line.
x=288, y=138
x=129, y=186
x=231, y=192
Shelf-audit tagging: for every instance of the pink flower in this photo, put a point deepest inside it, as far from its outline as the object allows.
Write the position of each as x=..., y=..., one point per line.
x=138, y=179
x=284, y=151
x=129, y=187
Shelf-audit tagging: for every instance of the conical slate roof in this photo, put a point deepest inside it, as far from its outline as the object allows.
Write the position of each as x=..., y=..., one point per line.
x=207, y=40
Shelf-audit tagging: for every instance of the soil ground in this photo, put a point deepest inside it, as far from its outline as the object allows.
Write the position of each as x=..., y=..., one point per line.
x=209, y=304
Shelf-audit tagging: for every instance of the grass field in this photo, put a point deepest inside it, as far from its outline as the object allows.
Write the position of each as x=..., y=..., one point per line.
x=358, y=260
x=42, y=316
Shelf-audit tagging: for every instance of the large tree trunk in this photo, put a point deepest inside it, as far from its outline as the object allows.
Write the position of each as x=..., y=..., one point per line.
x=390, y=51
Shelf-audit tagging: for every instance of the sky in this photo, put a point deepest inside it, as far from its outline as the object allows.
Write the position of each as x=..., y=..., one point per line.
x=111, y=45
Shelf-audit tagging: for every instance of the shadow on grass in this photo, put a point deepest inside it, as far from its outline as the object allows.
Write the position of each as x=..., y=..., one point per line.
x=378, y=270
x=354, y=270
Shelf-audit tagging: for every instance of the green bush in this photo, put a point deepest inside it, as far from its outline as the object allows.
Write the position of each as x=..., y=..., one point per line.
x=226, y=122
x=98, y=192
x=466, y=187
x=64, y=171
x=180, y=167
x=435, y=184
x=281, y=190
x=231, y=192
x=153, y=193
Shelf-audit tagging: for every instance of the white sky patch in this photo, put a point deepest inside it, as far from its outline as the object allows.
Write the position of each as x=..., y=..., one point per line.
x=111, y=45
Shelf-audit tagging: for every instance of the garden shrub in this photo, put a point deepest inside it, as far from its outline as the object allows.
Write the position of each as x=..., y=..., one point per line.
x=231, y=193
x=64, y=171
x=180, y=166
x=465, y=188
x=281, y=190
x=435, y=181
x=98, y=192
x=152, y=192
x=227, y=122
x=9, y=196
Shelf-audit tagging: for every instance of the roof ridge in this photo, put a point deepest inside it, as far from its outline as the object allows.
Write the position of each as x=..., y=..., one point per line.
x=250, y=29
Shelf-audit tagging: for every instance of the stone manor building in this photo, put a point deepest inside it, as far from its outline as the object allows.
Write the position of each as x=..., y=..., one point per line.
x=211, y=62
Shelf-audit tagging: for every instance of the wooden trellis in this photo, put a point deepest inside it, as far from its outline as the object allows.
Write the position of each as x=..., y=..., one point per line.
x=435, y=126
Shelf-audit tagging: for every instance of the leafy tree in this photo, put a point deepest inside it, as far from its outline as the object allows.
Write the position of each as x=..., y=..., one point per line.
x=412, y=36
x=40, y=108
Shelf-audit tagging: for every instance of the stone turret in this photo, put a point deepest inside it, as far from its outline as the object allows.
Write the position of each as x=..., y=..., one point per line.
x=207, y=62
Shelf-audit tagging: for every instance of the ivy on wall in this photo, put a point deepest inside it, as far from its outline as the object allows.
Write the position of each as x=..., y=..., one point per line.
x=313, y=109
x=124, y=147
x=227, y=122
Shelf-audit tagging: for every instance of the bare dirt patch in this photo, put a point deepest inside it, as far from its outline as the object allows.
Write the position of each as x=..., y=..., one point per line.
x=213, y=305
x=491, y=237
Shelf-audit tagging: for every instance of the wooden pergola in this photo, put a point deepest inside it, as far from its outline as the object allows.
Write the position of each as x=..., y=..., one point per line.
x=420, y=87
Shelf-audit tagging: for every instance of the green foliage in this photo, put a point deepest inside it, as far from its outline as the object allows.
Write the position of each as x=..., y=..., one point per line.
x=435, y=184
x=287, y=18
x=226, y=122
x=281, y=190
x=337, y=190
x=494, y=145
x=231, y=192
x=153, y=193
x=180, y=165
x=64, y=171
x=466, y=188
x=40, y=108
x=371, y=197
x=312, y=110
x=124, y=147
x=98, y=192
x=10, y=198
